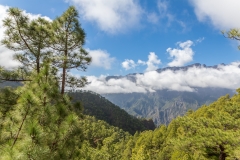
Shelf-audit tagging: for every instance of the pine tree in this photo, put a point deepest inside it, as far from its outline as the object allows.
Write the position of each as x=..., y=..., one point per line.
x=27, y=37
x=41, y=124
x=67, y=43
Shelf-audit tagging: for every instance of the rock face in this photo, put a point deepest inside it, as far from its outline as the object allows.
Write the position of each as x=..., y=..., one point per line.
x=162, y=106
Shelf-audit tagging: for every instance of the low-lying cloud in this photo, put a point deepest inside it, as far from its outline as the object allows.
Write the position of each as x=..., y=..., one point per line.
x=223, y=77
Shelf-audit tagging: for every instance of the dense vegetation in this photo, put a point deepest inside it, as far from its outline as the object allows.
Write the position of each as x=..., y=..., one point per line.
x=99, y=107
x=39, y=121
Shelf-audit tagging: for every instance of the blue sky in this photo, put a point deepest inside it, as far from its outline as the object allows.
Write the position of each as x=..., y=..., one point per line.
x=129, y=36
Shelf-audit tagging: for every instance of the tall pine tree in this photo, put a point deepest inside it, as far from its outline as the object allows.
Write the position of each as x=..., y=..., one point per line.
x=67, y=43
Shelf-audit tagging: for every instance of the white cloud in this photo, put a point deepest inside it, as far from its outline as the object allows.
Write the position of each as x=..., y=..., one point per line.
x=128, y=64
x=112, y=16
x=181, y=56
x=152, y=63
x=100, y=85
x=223, y=14
x=141, y=62
x=224, y=77
x=6, y=55
x=101, y=58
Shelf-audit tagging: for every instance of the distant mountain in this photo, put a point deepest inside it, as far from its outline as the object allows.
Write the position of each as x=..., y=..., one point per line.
x=164, y=105
x=101, y=108
x=197, y=65
x=11, y=84
x=132, y=77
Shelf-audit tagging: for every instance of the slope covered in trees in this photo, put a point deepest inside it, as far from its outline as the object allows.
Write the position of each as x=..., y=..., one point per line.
x=211, y=132
x=38, y=121
x=41, y=124
x=99, y=107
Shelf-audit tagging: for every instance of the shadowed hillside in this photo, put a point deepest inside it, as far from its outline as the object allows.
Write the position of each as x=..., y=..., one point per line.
x=99, y=107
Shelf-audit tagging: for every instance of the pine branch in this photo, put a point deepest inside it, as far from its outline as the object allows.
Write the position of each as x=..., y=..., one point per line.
x=20, y=128
x=14, y=80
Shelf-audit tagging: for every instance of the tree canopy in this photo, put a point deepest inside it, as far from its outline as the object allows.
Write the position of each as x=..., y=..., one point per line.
x=38, y=121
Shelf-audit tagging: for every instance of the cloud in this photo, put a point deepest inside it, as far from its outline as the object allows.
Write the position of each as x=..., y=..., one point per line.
x=6, y=55
x=152, y=63
x=181, y=80
x=221, y=13
x=162, y=6
x=162, y=14
x=199, y=40
x=111, y=16
x=181, y=56
x=101, y=58
x=128, y=64
x=101, y=85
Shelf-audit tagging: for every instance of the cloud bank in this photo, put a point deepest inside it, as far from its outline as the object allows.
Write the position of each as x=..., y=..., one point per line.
x=111, y=16
x=223, y=14
x=224, y=77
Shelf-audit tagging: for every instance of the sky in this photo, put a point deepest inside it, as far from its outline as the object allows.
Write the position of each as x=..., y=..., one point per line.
x=140, y=36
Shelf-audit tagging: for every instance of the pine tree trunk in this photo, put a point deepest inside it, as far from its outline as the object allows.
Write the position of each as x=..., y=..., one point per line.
x=64, y=69
x=63, y=79
x=222, y=155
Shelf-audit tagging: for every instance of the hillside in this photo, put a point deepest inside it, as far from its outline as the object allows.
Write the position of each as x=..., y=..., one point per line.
x=164, y=105
x=211, y=132
x=99, y=107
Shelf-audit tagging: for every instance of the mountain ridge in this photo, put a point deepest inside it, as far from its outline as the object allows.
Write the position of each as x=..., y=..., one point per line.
x=163, y=105
x=175, y=68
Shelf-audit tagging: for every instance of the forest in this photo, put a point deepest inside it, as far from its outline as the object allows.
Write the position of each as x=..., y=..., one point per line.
x=39, y=120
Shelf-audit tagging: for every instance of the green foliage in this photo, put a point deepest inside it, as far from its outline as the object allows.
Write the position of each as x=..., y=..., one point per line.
x=37, y=41
x=27, y=37
x=233, y=33
x=39, y=122
x=99, y=107
x=212, y=132
x=67, y=42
